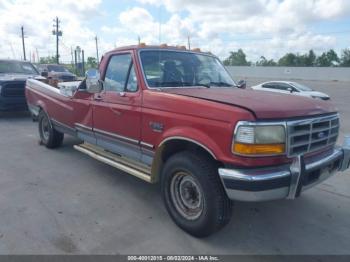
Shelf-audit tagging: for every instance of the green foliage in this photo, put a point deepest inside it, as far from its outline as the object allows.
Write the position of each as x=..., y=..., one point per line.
x=48, y=60
x=329, y=58
x=345, y=58
x=326, y=59
x=264, y=62
x=237, y=59
x=91, y=63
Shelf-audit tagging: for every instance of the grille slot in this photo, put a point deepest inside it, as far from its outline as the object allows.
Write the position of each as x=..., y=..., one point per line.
x=13, y=89
x=309, y=135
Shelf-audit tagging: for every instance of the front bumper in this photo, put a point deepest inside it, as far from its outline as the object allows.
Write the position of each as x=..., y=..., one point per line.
x=284, y=181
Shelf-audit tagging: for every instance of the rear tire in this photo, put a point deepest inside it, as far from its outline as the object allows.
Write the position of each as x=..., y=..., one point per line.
x=49, y=137
x=194, y=195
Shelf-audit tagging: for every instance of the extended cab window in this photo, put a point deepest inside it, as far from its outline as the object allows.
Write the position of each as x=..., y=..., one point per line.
x=117, y=73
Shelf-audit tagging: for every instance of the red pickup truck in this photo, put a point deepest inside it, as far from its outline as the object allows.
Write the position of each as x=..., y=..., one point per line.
x=176, y=116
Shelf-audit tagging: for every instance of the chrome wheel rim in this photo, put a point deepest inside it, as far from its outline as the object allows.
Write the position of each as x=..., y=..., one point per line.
x=186, y=195
x=45, y=128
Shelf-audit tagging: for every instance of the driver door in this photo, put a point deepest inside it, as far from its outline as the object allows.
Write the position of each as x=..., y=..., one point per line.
x=117, y=109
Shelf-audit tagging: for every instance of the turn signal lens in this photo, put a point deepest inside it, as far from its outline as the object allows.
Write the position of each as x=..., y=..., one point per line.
x=258, y=149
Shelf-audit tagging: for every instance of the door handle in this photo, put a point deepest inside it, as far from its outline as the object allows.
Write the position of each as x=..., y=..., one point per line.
x=122, y=94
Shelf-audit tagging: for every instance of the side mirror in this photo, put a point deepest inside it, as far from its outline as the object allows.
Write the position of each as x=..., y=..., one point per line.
x=242, y=84
x=290, y=89
x=93, y=84
x=44, y=74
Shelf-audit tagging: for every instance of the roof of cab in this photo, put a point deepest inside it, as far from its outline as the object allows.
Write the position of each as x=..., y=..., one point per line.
x=143, y=46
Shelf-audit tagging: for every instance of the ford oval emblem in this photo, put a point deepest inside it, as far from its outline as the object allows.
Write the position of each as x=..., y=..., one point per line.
x=321, y=135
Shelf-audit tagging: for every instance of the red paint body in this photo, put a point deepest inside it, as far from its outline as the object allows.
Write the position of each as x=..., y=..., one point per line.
x=207, y=116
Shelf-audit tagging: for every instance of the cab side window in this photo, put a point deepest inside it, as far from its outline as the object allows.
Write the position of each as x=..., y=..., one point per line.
x=117, y=73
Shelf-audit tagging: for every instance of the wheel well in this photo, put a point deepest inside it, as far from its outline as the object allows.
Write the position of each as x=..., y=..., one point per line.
x=171, y=147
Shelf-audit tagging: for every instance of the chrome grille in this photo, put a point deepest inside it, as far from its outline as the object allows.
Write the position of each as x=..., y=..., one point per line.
x=13, y=89
x=312, y=134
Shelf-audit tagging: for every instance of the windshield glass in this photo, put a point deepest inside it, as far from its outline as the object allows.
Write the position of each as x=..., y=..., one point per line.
x=183, y=69
x=301, y=87
x=17, y=67
x=56, y=68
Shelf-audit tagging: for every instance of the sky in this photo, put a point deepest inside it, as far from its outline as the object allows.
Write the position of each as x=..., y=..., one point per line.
x=260, y=27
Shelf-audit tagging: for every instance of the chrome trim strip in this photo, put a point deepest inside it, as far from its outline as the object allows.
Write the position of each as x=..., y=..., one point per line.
x=243, y=175
x=146, y=145
x=190, y=140
x=83, y=126
x=116, y=136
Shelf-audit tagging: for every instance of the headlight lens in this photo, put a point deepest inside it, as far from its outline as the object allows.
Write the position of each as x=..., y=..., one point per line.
x=259, y=140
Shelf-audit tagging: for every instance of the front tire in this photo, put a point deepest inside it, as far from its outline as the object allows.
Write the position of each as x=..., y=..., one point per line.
x=49, y=137
x=194, y=195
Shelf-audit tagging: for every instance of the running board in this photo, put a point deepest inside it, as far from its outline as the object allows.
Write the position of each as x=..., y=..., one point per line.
x=131, y=167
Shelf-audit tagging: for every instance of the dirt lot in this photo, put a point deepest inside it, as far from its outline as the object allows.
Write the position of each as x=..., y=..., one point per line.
x=61, y=201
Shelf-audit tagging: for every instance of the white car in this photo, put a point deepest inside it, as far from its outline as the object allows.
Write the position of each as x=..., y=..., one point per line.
x=294, y=88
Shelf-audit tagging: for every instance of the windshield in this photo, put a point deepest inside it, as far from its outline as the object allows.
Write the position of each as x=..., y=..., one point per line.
x=301, y=87
x=17, y=67
x=56, y=68
x=183, y=69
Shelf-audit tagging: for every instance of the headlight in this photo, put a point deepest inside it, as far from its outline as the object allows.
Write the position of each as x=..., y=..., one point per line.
x=251, y=139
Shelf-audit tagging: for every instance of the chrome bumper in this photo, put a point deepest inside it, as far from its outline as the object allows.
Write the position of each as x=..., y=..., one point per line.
x=284, y=181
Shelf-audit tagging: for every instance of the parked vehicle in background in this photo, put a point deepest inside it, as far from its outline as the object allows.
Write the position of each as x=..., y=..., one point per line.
x=169, y=115
x=287, y=87
x=13, y=75
x=56, y=72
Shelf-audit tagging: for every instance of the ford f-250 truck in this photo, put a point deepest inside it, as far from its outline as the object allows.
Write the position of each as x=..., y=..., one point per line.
x=176, y=116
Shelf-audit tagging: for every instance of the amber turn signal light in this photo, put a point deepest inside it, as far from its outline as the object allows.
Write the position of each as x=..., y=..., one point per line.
x=258, y=149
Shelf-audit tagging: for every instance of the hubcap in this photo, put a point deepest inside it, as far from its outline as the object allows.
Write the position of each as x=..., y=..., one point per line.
x=186, y=195
x=45, y=128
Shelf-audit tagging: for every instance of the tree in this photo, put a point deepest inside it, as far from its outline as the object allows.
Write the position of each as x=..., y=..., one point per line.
x=48, y=60
x=237, y=59
x=329, y=58
x=288, y=59
x=311, y=58
x=264, y=62
x=345, y=57
x=91, y=62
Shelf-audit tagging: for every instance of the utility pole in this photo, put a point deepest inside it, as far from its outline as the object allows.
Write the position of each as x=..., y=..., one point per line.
x=139, y=40
x=24, y=48
x=83, y=63
x=98, y=59
x=189, y=42
x=57, y=33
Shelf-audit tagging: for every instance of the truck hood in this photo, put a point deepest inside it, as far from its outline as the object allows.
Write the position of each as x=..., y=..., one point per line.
x=18, y=77
x=264, y=105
